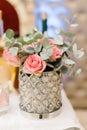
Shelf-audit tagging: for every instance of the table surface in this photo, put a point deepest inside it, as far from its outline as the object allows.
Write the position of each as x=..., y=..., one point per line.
x=14, y=120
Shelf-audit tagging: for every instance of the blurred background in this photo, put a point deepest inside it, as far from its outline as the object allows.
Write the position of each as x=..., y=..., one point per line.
x=23, y=15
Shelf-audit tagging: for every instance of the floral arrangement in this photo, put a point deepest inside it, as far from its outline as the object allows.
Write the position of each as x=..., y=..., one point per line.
x=36, y=53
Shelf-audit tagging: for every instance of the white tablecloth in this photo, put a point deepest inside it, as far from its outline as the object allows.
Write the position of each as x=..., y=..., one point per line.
x=14, y=120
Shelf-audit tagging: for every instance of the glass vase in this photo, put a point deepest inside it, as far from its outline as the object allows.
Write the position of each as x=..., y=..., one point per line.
x=40, y=94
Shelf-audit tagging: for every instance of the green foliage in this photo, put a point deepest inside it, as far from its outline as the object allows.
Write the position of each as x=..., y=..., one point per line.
x=77, y=53
x=64, y=69
x=38, y=43
x=21, y=41
x=78, y=71
x=44, y=56
x=69, y=61
x=46, y=43
x=10, y=33
x=38, y=48
x=29, y=50
x=69, y=34
x=59, y=40
x=13, y=51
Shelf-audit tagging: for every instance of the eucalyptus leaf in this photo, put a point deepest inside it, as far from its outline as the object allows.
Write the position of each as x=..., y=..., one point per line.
x=69, y=34
x=7, y=39
x=26, y=39
x=64, y=69
x=8, y=44
x=45, y=34
x=21, y=40
x=78, y=71
x=69, y=61
x=28, y=34
x=10, y=33
x=44, y=50
x=67, y=43
x=79, y=54
x=38, y=48
x=38, y=35
x=74, y=25
x=29, y=50
x=44, y=56
x=64, y=48
x=74, y=48
x=46, y=43
x=16, y=43
x=59, y=40
x=30, y=41
x=13, y=51
x=49, y=51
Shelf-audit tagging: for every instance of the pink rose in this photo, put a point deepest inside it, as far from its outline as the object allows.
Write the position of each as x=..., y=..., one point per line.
x=57, y=53
x=34, y=64
x=12, y=60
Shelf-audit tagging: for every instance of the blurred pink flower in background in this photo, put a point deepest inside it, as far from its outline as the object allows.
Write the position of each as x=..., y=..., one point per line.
x=12, y=60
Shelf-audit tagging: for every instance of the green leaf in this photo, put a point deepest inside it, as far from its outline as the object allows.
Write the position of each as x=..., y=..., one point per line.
x=79, y=54
x=69, y=61
x=64, y=48
x=49, y=51
x=7, y=39
x=67, y=43
x=59, y=40
x=74, y=48
x=45, y=34
x=69, y=34
x=74, y=25
x=44, y=56
x=38, y=35
x=38, y=48
x=8, y=44
x=28, y=34
x=29, y=50
x=46, y=43
x=10, y=33
x=16, y=43
x=20, y=40
x=13, y=51
x=78, y=71
x=64, y=69
x=26, y=39
x=30, y=41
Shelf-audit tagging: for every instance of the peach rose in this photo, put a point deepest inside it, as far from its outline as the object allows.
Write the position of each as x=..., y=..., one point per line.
x=12, y=60
x=34, y=64
x=57, y=53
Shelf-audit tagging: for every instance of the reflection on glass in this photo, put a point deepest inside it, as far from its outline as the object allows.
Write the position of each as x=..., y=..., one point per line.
x=4, y=97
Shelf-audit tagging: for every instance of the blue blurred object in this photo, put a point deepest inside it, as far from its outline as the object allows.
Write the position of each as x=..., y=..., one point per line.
x=54, y=10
